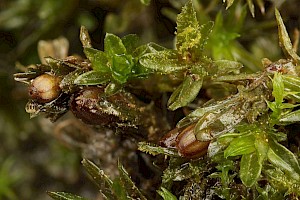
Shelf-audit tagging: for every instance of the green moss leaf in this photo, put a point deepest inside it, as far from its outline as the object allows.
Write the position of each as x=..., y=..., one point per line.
x=240, y=146
x=251, y=7
x=222, y=39
x=64, y=196
x=281, y=182
x=278, y=88
x=228, y=3
x=250, y=169
x=85, y=37
x=290, y=118
x=67, y=83
x=100, y=178
x=130, y=42
x=165, y=62
x=119, y=190
x=186, y=19
x=121, y=67
x=92, y=78
x=113, y=45
x=112, y=88
x=98, y=59
x=129, y=186
x=156, y=150
x=262, y=148
x=291, y=82
x=191, y=37
x=284, y=39
x=284, y=159
x=186, y=92
x=147, y=48
x=166, y=195
x=146, y=2
x=227, y=66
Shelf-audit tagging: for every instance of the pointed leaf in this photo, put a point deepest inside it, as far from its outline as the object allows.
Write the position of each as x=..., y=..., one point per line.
x=250, y=169
x=262, y=148
x=284, y=159
x=112, y=88
x=261, y=6
x=100, y=178
x=92, y=78
x=67, y=83
x=145, y=2
x=251, y=7
x=84, y=37
x=278, y=88
x=121, y=67
x=222, y=39
x=147, y=48
x=166, y=195
x=130, y=42
x=205, y=30
x=64, y=196
x=113, y=45
x=290, y=118
x=227, y=66
x=156, y=150
x=188, y=33
x=186, y=19
x=165, y=62
x=240, y=146
x=132, y=190
x=191, y=38
x=119, y=190
x=281, y=182
x=284, y=39
x=229, y=3
x=186, y=92
x=98, y=59
x=291, y=83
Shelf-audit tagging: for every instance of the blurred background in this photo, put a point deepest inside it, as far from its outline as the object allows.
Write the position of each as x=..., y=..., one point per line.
x=32, y=160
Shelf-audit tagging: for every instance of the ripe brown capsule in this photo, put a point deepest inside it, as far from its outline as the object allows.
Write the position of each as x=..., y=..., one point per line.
x=93, y=107
x=185, y=142
x=84, y=106
x=44, y=88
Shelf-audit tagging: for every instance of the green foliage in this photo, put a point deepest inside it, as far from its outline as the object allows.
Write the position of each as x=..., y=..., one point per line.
x=114, y=64
x=156, y=150
x=191, y=37
x=145, y=2
x=284, y=39
x=251, y=6
x=240, y=146
x=246, y=124
x=222, y=38
x=250, y=169
x=166, y=195
x=120, y=188
x=64, y=196
x=186, y=92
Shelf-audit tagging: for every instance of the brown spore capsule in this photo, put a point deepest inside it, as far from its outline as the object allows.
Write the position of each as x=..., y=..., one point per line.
x=44, y=88
x=85, y=106
x=184, y=140
x=188, y=146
